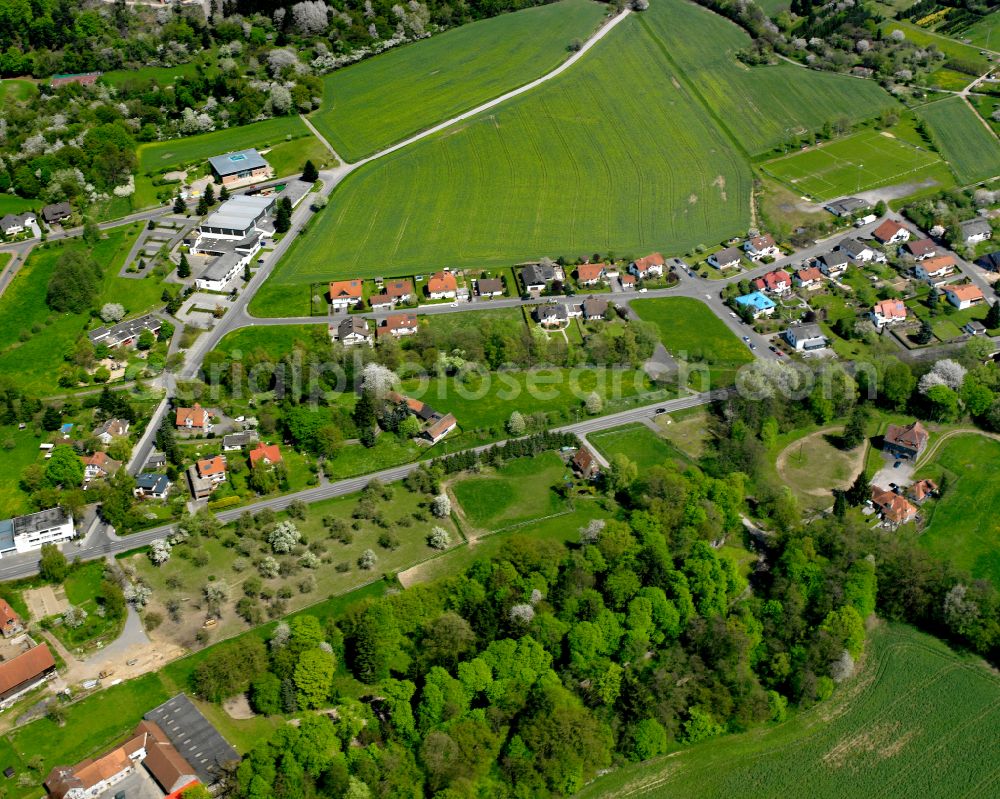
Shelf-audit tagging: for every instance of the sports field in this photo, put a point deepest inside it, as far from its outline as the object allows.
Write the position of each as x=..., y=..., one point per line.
x=918, y=720
x=382, y=100
x=972, y=150
x=964, y=526
x=854, y=163
x=761, y=106
x=547, y=174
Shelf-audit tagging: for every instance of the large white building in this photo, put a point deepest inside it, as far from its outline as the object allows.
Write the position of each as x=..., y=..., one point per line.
x=28, y=533
x=237, y=217
x=232, y=236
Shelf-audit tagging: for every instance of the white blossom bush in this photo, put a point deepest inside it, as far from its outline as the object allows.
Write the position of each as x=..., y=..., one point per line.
x=138, y=594
x=522, y=614
x=945, y=372
x=74, y=617
x=268, y=567
x=592, y=531
x=310, y=17
x=283, y=537
x=281, y=99
x=842, y=668
x=516, y=424
x=378, y=379
x=112, y=311
x=281, y=635
x=439, y=538
x=593, y=403
x=441, y=506
x=159, y=551
x=368, y=559
x=310, y=560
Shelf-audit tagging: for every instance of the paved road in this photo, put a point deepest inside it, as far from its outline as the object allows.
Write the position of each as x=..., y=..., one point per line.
x=101, y=542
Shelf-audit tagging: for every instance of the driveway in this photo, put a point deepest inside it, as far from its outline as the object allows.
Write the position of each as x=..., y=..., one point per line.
x=901, y=475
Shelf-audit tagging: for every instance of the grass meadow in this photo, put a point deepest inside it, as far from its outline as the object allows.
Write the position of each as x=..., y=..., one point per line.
x=12, y=204
x=959, y=133
x=964, y=526
x=854, y=163
x=761, y=107
x=25, y=451
x=690, y=331
x=380, y=101
x=952, y=48
x=919, y=719
x=17, y=89
x=985, y=32
x=546, y=174
x=33, y=339
x=638, y=443
x=520, y=491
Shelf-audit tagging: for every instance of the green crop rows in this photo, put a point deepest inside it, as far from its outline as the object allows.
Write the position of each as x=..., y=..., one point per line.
x=378, y=102
x=971, y=148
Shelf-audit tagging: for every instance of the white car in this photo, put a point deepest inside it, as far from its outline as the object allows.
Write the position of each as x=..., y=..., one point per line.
x=643, y=290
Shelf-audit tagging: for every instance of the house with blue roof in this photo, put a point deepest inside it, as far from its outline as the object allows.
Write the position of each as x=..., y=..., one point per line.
x=759, y=303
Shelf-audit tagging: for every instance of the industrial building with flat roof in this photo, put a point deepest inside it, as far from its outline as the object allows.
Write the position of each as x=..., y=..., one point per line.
x=29, y=532
x=237, y=216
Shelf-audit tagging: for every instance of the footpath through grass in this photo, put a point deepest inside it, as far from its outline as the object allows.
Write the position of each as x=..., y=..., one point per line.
x=965, y=522
x=970, y=147
x=610, y=155
x=919, y=720
x=382, y=100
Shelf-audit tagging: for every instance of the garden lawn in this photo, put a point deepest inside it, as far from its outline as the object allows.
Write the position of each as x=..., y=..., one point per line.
x=638, y=443
x=761, y=107
x=919, y=718
x=965, y=523
x=13, y=500
x=506, y=321
x=539, y=176
x=487, y=401
x=275, y=340
x=692, y=332
x=382, y=100
x=971, y=148
x=520, y=491
x=46, y=335
x=686, y=430
x=164, y=76
x=11, y=204
x=853, y=163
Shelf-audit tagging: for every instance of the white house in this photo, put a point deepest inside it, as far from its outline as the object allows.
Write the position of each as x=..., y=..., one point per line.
x=648, y=267
x=887, y=312
x=12, y=224
x=859, y=252
x=728, y=258
x=806, y=337
x=345, y=294
x=891, y=232
x=834, y=264
x=964, y=296
x=759, y=247
x=935, y=270
x=110, y=430
x=28, y=533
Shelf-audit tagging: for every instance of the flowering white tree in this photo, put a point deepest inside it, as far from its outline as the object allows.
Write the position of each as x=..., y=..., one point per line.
x=515, y=424
x=281, y=635
x=945, y=372
x=522, y=613
x=378, y=379
x=959, y=610
x=284, y=536
x=74, y=617
x=590, y=533
x=842, y=668
x=439, y=538
x=593, y=403
x=268, y=567
x=280, y=58
x=137, y=595
x=310, y=560
x=368, y=559
x=441, y=506
x=281, y=99
x=112, y=311
x=310, y=17
x=159, y=551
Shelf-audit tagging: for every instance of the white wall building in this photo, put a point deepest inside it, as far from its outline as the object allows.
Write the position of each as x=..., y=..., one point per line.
x=28, y=533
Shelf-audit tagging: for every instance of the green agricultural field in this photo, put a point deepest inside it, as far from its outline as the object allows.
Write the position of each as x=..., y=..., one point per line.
x=971, y=148
x=965, y=523
x=638, y=443
x=521, y=491
x=919, y=719
x=382, y=100
x=854, y=163
x=761, y=107
x=985, y=32
x=691, y=332
x=541, y=176
x=33, y=339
